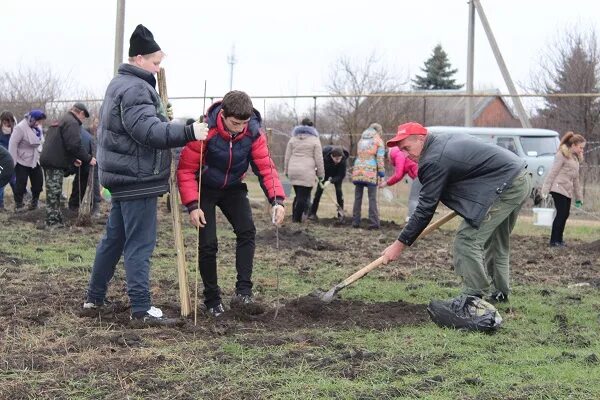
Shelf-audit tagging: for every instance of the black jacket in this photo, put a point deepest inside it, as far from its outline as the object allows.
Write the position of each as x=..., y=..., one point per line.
x=63, y=144
x=7, y=167
x=87, y=142
x=134, y=137
x=464, y=173
x=337, y=172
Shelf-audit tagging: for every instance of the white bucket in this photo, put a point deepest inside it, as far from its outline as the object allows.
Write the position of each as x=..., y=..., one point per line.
x=543, y=216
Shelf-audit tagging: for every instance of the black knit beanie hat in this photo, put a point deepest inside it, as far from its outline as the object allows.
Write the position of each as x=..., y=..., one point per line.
x=142, y=42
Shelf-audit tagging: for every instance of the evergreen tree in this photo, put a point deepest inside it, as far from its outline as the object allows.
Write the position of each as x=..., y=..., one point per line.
x=437, y=73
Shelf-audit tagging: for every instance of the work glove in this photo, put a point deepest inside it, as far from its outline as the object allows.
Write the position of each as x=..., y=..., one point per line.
x=200, y=130
x=578, y=203
x=169, y=111
x=278, y=212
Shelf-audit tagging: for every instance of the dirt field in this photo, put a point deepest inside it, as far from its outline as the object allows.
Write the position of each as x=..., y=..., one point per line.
x=45, y=334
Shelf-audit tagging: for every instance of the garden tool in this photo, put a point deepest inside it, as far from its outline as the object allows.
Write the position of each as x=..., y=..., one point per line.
x=340, y=210
x=329, y=295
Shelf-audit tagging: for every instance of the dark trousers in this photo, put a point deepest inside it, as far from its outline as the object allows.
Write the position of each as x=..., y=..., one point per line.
x=373, y=209
x=130, y=231
x=301, y=200
x=81, y=181
x=563, y=207
x=35, y=175
x=338, y=194
x=234, y=204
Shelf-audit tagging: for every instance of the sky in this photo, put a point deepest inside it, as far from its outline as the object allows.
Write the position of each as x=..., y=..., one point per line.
x=283, y=48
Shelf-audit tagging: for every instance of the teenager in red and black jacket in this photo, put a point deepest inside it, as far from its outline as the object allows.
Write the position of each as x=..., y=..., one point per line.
x=234, y=140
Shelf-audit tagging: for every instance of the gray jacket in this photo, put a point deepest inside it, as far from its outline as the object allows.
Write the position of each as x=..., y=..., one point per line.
x=134, y=137
x=464, y=173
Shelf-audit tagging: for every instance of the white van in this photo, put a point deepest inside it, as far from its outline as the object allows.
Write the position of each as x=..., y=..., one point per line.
x=536, y=146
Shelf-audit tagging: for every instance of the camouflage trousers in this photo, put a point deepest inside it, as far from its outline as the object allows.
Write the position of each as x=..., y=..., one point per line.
x=54, y=182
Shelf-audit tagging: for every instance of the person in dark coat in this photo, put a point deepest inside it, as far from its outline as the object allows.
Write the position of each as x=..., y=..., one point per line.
x=7, y=166
x=62, y=150
x=80, y=181
x=8, y=122
x=134, y=160
x=335, y=160
x=485, y=184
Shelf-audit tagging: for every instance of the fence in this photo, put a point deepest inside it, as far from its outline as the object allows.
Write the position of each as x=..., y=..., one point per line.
x=389, y=109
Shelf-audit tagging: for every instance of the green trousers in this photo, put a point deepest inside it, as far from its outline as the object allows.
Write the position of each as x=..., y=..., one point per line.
x=481, y=256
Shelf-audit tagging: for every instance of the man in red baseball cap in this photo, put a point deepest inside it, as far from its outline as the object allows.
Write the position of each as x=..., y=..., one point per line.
x=412, y=135
x=485, y=184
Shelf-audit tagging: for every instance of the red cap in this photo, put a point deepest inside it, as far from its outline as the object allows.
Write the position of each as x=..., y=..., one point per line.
x=406, y=130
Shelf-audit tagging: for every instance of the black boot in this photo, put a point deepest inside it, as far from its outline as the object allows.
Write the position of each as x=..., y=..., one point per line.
x=33, y=205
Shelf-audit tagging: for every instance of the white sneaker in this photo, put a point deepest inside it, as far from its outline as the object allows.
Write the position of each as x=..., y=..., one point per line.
x=155, y=312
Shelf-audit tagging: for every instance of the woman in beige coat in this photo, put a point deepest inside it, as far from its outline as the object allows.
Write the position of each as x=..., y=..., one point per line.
x=303, y=164
x=562, y=183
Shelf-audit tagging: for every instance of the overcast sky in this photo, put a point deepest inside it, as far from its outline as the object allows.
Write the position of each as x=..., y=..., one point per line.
x=282, y=47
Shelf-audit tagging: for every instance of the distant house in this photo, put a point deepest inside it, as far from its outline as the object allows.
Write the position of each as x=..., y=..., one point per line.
x=488, y=110
x=430, y=107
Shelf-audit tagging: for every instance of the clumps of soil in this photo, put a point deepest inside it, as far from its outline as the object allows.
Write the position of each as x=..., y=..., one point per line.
x=347, y=222
x=84, y=220
x=593, y=246
x=292, y=238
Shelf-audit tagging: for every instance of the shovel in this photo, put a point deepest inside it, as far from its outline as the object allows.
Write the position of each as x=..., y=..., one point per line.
x=329, y=295
x=340, y=210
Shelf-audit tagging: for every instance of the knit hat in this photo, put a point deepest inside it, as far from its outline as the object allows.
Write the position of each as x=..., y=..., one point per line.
x=37, y=115
x=337, y=151
x=142, y=42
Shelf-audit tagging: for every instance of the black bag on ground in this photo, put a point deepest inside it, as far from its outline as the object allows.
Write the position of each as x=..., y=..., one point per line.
x=465, y=312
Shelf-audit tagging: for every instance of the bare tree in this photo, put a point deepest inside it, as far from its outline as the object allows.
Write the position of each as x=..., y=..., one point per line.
x=351, y=81
x=28, y=87
x=571, y=65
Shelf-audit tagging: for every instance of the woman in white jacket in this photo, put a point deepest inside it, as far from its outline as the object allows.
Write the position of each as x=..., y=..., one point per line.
x=303, y=165
x=562, y=183
x=25, y=146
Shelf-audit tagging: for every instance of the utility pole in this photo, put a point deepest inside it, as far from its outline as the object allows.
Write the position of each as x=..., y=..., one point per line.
x=119, y=29
x=231, y=60
x=507, y=79
x=470, y=66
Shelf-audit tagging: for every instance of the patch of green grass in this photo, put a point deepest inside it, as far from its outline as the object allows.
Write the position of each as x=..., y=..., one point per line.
x=548, y=347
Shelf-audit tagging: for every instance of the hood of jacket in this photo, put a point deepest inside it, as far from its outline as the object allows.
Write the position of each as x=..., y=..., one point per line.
x=368, y=133
x=305, y=130
x=128, y=69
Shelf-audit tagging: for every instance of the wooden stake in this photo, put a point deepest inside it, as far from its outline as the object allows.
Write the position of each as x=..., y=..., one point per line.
x=184, y=295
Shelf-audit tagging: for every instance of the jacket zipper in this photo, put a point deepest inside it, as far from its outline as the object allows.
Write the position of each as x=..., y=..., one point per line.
x=228, y=166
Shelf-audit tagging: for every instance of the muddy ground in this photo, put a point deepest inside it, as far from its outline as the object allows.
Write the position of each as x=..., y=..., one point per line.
x=301, y=246
x=34, y=296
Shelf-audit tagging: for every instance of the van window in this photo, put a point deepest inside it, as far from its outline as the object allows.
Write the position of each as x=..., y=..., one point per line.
x=508, y=143
x=542, y=145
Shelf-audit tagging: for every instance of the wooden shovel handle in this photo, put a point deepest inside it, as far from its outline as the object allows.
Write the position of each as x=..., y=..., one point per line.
x=362, y=272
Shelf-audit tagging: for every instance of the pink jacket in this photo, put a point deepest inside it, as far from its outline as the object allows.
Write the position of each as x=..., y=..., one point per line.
x=402, y=164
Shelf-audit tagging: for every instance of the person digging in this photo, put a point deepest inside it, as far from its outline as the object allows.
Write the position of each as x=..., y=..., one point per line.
x=483, y=183
x=335, y=161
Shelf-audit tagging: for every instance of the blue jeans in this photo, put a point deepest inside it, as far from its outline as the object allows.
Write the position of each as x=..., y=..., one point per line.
x=131, y=231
